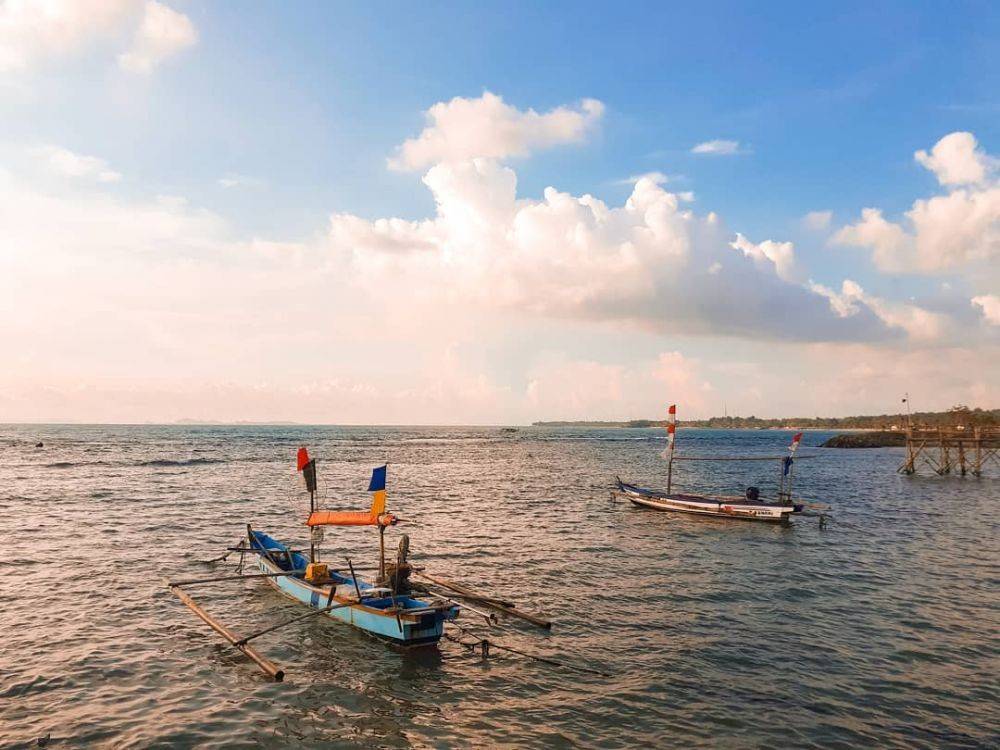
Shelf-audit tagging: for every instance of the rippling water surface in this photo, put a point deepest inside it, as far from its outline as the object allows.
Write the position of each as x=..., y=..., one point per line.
x=881, y=630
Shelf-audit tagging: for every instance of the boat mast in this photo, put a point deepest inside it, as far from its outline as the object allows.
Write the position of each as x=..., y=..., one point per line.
x=788, y=469
x=668, y=452
x=377, y=486
x=308, y=468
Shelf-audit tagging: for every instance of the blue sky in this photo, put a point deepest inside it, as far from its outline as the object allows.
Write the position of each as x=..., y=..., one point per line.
x=266, y=120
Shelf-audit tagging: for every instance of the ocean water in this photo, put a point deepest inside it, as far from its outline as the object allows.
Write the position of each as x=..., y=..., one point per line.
x=881, y=630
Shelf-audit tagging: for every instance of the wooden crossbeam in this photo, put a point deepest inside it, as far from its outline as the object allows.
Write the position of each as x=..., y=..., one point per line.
x=951, y=449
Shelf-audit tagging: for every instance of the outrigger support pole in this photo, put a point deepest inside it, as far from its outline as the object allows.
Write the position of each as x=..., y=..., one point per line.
x=381, y=552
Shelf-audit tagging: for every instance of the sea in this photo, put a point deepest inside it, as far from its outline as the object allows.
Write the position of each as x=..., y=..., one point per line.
x=877, y=629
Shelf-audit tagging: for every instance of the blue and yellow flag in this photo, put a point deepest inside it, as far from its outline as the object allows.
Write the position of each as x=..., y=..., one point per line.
x=377, y=485
x=378, y=479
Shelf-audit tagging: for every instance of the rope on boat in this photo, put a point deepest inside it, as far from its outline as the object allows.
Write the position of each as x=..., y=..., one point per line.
x=484, y=645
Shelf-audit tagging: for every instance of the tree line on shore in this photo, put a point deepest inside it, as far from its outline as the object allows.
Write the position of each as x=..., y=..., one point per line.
x=957, y=416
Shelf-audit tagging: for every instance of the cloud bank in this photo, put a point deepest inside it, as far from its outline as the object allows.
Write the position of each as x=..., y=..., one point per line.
x=651, y=262
x=501, y=306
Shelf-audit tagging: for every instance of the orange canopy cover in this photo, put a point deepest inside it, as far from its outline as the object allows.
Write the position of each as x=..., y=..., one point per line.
x=349, y=518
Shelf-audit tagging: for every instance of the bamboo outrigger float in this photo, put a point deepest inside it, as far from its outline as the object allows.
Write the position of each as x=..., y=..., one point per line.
x=750, y=508
x=390, y=608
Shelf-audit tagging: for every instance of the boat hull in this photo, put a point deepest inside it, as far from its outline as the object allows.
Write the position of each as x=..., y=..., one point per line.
x=423, y=627
x=714, y=507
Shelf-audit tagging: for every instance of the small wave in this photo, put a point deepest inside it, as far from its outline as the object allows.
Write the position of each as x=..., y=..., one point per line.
x=187, y=462
x=156, y=462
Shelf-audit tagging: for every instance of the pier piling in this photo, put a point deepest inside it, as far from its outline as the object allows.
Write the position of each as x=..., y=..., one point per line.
x=940, y=449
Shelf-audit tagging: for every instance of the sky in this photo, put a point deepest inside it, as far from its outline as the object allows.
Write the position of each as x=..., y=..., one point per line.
x=496, y=213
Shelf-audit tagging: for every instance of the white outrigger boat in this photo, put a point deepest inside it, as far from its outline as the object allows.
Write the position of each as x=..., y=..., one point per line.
x=720, y=506
x=751, y=507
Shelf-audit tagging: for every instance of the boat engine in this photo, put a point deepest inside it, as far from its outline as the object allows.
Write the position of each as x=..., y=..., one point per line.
x=753, y=495
x=397, y=575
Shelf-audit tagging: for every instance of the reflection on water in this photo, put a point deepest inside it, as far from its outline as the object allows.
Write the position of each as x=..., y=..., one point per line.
x=881, y=630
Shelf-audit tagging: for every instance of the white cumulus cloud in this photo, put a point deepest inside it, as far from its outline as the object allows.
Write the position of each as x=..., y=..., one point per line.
x=659, y=178
x=957, y=229
x=956, y=159
x=918, y=323
x=651, y=262
x=33, y=31
x=780, y=254
x=717, y=148
x=70, y=164
x=163, y=33
x=463, y=129
x=37, y=32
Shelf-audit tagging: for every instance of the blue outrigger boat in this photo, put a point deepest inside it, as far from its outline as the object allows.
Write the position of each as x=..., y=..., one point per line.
x=398, y=619
x=384, y=608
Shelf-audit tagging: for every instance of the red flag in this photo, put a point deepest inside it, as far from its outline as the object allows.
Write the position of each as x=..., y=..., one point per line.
x=303, y=458
x=796, y=439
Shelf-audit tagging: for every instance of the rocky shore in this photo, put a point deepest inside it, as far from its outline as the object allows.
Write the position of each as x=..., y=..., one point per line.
x=866, y=440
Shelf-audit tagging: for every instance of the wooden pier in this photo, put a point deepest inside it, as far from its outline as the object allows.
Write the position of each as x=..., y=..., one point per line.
x=952, y=449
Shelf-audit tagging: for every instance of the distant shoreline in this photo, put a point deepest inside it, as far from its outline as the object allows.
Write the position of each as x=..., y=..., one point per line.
x=694, y=426
x=959, y=415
